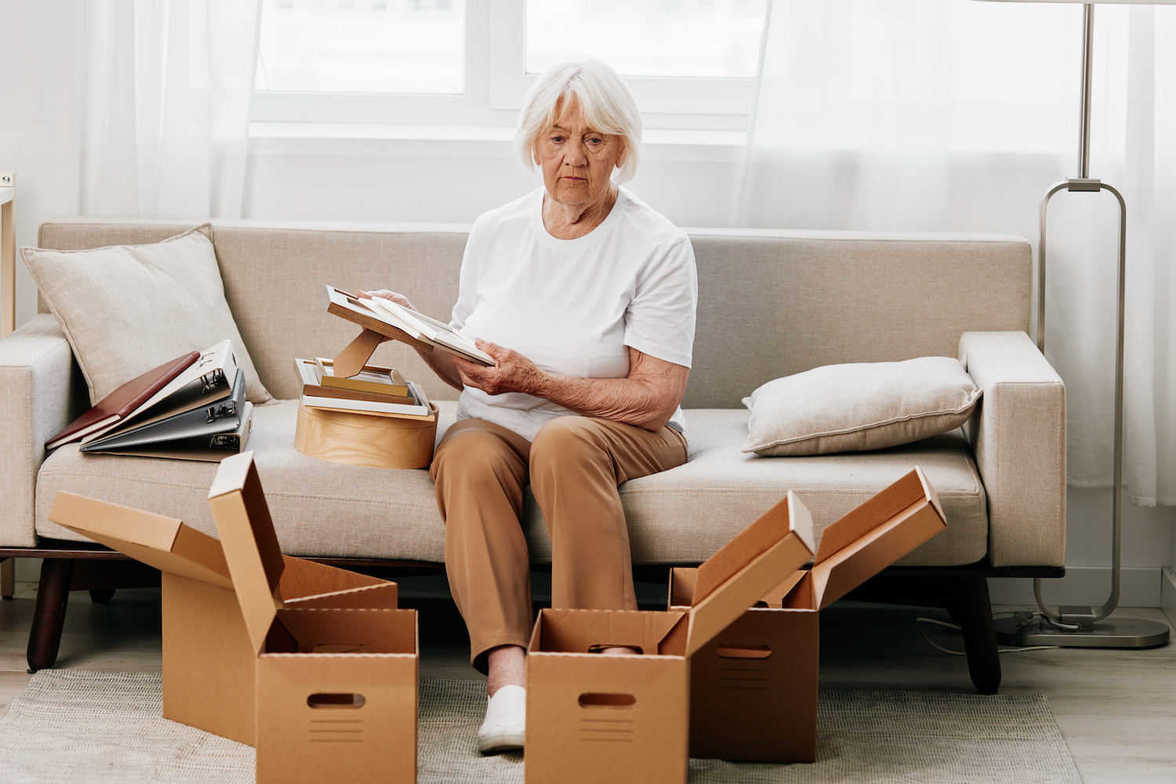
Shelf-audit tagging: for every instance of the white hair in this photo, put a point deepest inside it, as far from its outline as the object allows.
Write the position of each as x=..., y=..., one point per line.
x=605, y=100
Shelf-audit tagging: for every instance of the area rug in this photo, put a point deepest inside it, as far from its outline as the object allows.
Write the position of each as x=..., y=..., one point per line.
x=83, y=727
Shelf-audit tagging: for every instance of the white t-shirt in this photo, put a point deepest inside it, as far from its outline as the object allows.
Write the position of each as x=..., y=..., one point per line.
x=572, y=306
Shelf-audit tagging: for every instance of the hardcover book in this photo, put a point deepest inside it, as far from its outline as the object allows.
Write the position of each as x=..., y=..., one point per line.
x=122, y=402
x=205, y=381
x=219, y=416
x=210, y=448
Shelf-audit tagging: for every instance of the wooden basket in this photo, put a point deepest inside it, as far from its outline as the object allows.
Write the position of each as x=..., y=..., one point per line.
x=364, y=439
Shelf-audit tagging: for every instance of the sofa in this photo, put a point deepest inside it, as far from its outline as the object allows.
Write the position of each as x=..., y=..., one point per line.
x=771, y=303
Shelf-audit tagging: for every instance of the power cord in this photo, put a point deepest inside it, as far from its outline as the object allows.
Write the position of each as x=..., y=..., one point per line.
x=956, y=627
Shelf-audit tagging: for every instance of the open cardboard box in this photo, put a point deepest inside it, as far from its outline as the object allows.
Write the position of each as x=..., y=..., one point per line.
x=336, y=687
x=208, y=659
x=754, y=686
x=592, y=717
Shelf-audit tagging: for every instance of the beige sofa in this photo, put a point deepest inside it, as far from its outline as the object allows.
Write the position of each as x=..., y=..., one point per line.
x=770, y=303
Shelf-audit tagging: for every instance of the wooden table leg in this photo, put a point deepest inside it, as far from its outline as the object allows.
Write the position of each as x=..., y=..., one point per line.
x=7, y=269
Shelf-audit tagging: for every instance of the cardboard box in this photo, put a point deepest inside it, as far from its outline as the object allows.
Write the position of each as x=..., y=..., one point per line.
x=593, y=718
x=754, y=686
x=208, y=660
x=336, y=687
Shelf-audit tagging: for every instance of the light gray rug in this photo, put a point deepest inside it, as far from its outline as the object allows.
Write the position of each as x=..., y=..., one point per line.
x=84, y=727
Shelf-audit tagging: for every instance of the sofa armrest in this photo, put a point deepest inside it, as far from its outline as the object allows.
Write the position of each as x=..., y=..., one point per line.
x=37, y=385
x=1019, y=438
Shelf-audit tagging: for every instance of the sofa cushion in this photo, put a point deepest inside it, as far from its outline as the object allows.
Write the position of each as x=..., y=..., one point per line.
x=318, y=507
x=128, y=308
x=859, y=406
x=687, y=513
x=678, y=516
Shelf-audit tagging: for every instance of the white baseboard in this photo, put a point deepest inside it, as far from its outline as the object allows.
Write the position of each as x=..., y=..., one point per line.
x=1138, y=587
x=1168, y=593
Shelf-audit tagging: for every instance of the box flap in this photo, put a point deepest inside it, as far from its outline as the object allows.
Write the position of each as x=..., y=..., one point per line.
x=781, y=592
x=874, y=535
x=163, y=542
x=746, y=568
x=682, y=581
x=250, y=544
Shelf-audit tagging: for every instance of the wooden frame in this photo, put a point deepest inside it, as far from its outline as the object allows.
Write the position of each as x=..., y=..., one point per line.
x=7, y=326
x=7, y=261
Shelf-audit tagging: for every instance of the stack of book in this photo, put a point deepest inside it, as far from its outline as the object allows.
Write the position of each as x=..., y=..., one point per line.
x=378, y=391
x=191, y=408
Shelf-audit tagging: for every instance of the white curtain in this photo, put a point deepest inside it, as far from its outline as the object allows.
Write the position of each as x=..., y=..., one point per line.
x=168, y=86
x=955, y=115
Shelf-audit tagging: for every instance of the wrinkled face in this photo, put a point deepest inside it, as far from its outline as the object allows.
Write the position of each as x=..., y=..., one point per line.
x=577, y=160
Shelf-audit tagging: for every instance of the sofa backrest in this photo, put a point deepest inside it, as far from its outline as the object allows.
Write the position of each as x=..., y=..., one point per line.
x=771, y=303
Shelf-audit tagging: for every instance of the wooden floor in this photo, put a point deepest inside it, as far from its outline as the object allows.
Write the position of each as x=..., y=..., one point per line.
x=1117, y=709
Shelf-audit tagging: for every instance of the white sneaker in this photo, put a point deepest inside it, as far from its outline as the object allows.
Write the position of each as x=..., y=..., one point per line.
x=505, y=726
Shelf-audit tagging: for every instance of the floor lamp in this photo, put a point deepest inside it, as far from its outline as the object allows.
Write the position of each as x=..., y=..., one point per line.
x=8, y=317
x=1081, y=626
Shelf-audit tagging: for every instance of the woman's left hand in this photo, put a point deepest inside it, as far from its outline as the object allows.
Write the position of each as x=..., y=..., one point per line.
x=512, y=372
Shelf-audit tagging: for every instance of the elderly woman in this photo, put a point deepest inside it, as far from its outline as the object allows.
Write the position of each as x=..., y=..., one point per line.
x=585, y=298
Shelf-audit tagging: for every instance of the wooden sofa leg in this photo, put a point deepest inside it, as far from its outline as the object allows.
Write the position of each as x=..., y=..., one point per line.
x=970, y=607
x=49, y=615
x=8, y=578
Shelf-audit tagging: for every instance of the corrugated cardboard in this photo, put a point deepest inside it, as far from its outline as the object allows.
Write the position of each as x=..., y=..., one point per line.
x=754, y=686
x=336, y=687
x=593, y=718
x=208, y=661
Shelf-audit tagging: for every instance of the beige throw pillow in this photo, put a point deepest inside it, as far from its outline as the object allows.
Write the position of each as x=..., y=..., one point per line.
x=128, y=308
x=859, y=406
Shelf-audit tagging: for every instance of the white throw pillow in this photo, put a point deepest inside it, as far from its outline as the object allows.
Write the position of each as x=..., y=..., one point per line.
x=859, y=406
x=128, y=308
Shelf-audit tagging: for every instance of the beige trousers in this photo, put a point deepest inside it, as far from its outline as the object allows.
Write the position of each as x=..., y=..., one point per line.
x=574, y=466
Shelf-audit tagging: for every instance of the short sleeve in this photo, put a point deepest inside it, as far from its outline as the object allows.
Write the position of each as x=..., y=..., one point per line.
x=467, y=286
x=660, y=318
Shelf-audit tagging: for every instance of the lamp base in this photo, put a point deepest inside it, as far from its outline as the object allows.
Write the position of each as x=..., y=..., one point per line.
x=1025, y=629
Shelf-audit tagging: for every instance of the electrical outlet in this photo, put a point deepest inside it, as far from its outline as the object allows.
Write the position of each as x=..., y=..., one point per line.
x=7, y=179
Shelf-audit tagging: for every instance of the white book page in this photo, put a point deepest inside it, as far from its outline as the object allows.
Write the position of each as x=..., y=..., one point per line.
x=436, y=331
x=363, y=307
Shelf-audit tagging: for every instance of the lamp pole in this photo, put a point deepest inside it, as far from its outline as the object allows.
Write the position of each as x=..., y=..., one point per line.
x=1076, y=625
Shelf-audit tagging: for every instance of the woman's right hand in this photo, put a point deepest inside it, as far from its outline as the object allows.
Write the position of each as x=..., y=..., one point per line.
x=388, y=294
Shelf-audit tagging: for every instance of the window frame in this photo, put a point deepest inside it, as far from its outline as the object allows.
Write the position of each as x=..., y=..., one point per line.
x=495, y=83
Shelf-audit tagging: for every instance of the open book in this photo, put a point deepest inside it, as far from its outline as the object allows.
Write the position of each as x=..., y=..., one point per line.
x=416, y=325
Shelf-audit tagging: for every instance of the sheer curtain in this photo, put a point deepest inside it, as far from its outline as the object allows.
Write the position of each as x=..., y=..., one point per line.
x=953, y=115
x=168, y=86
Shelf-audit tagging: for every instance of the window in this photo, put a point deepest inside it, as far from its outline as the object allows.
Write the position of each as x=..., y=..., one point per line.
x=690, y=63
x=369, y=46
x=666, y=39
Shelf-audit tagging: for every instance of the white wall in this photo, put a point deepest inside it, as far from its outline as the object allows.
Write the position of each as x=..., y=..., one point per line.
x=40, y=117
x=391, y=180
x=1148, y=545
